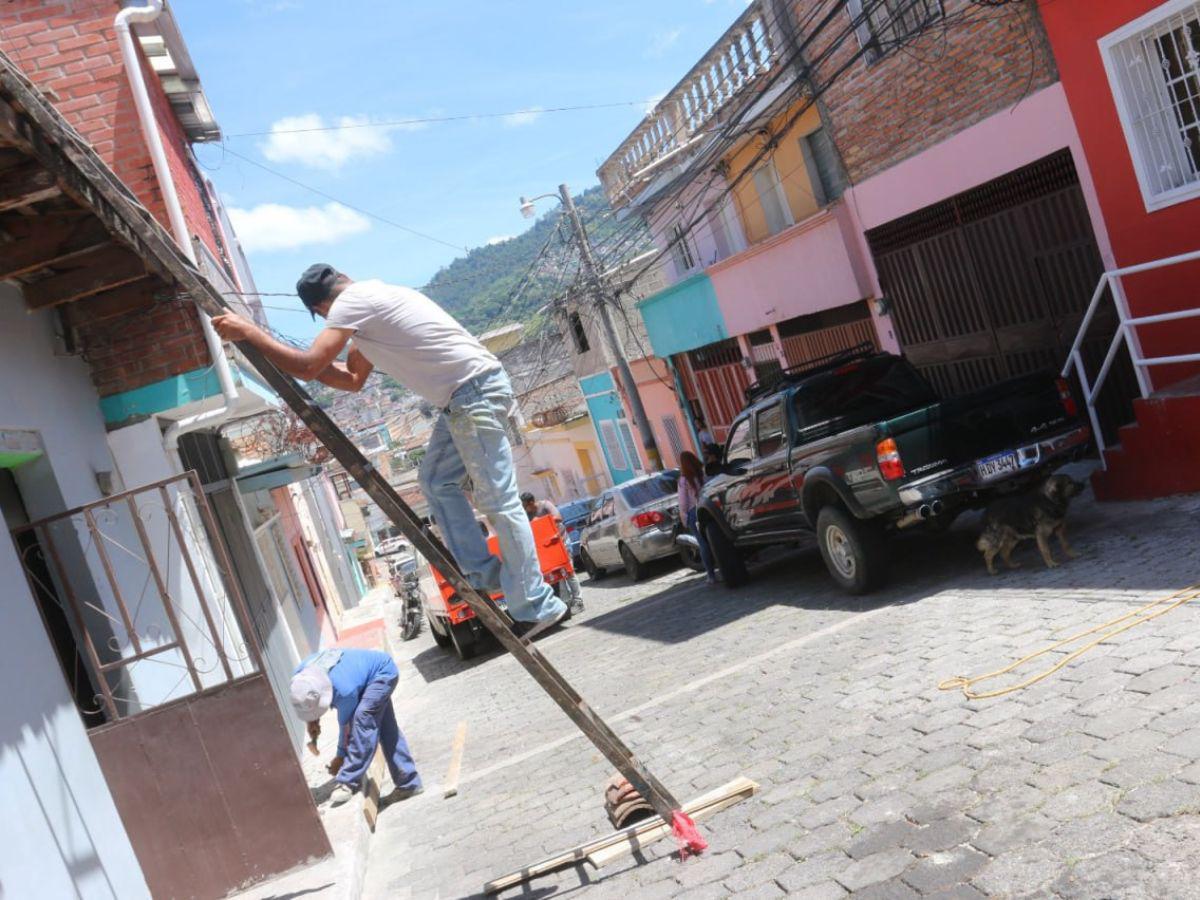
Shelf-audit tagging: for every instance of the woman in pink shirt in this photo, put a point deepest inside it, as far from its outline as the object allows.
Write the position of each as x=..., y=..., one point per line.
x=691, y=482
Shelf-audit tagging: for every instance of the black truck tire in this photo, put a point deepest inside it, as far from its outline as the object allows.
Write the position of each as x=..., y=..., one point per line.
x=854, y=551
x=465, y=640
x=728, y=557
x=635, y=569
x=441, y=638
x=594, y=572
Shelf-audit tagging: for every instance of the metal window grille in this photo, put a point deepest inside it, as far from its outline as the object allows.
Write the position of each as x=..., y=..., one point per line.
x=148, y=595
x=721, y=353
x=824, y=167
x=635, y=461
x=612, y=445
x=888, y=23
x=1157, y=75
x=680, y=251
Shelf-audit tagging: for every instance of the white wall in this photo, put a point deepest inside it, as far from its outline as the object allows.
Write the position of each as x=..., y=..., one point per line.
x=60, y=834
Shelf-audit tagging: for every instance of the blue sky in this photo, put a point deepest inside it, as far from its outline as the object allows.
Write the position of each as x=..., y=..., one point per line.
x=301, y=63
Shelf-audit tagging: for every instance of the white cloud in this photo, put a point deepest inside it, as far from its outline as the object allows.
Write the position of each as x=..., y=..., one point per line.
x=498, y=239
x=662, y=42
x=272, y=226
x=524, y=117
x=297, y=139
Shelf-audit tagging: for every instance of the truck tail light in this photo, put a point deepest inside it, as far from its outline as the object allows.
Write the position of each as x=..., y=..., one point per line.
x=887, y=454
x=646, y=519
x=1066, y=398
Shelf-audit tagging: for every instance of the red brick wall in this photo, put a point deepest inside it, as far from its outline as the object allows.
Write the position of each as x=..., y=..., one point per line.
x=69, y=49
x=979, y=61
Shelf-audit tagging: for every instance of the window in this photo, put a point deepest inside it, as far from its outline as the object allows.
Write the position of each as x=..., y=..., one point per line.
x=607, y=508
x=737, y=448
x=630, y=446
x=671, y=427
x=612, y=445
x=888, y=23
x=859, y=393
x=772, y=198
x=650, y=490
x=578, y=333
x=1153, y=69
x=342, y=485
x=681, y=252
x=770, y=429
x=823, y=166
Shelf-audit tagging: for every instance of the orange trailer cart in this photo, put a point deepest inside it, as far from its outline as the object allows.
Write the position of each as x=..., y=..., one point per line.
x=453, y=623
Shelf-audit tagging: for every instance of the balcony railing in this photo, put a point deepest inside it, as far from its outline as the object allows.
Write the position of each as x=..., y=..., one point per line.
x=745, y=53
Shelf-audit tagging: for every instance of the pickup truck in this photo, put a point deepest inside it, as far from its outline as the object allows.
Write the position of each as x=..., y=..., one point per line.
x=858, y=446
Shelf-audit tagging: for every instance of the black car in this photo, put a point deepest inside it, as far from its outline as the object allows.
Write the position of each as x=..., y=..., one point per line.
x=858, y=445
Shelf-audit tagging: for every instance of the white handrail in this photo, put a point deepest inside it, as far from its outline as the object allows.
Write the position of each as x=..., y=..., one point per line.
x=1126, y=331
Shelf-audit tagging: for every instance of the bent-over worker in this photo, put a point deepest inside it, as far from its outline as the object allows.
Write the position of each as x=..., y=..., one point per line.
x=358, y=684
x=416, y=342
x=535, y=508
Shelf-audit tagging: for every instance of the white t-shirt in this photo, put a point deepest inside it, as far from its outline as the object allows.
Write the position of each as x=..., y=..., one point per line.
x=406, y=335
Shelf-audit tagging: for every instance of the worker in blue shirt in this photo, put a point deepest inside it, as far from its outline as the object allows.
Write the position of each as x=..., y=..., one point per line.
x=359, y=685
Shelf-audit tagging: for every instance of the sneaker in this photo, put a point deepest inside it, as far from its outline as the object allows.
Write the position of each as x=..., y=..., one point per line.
x=711, y=579
x=341, y=793
x=577, y=608
x=400, y=794
x=545, y=625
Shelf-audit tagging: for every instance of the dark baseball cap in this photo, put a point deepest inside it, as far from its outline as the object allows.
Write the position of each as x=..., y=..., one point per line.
x=315, y=285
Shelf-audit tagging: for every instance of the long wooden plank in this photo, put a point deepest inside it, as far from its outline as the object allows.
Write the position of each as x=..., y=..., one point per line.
x=635, y=842
x=371, y=789
x=30, y=123
x=450, y=787
x=627, y=838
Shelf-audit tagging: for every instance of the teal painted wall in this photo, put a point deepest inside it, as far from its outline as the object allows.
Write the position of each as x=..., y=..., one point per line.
x=173, y=392
x=604, y=405
x=683, y=317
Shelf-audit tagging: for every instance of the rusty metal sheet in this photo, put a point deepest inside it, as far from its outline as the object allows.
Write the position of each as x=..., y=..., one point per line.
x=260, y=779
x=210, y=792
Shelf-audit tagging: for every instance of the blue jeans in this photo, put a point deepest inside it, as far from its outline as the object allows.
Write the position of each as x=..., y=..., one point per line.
x=705, y=552
x=375, y=723
x=470, y=439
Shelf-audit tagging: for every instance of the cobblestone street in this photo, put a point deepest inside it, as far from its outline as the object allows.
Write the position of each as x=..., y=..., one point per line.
x=874, y=782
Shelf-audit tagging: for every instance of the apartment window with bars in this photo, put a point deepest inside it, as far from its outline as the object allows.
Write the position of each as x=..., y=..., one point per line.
x=889, y=23
x=1153, y=66
x=681, y=252
x=772, y=199
x=578, y=333
x=823, y=166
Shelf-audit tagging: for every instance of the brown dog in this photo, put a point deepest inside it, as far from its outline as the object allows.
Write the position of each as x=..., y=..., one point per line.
x=1035, y=514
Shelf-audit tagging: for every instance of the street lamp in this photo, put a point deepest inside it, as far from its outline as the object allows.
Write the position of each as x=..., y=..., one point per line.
x=527, y=206
x=596, y=282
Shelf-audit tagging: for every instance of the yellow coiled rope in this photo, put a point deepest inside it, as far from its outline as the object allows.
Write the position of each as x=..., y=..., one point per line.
x=1116, y=626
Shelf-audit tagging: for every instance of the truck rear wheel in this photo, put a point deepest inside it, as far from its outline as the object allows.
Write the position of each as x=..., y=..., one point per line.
x=729, y=558
x=465, y=640
x=441, y=638
x=854, y=551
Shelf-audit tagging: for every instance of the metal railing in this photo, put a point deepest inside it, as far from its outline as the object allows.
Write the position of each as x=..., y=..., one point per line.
x=152, y=606
x=1126, y=333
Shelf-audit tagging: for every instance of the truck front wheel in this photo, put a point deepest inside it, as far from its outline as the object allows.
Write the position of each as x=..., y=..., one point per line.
x=729, y=559
x=854, y=551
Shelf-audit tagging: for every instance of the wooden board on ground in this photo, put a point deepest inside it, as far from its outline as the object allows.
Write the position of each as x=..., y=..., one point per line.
x=371, y=789
x=627, y=840
x=456, y=755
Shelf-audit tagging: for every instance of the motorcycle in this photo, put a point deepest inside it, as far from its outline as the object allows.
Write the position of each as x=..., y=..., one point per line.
x=406, y=582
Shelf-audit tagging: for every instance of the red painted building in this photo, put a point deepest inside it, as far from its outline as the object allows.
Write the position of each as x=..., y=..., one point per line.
x=1131, y=70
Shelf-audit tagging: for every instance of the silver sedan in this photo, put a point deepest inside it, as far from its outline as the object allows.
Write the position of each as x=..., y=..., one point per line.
x=633, y=524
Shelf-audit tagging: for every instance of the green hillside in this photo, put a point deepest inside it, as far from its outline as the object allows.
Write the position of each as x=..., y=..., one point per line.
x=476, y=288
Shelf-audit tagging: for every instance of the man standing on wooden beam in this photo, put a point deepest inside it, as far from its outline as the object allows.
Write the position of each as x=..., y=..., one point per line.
x=419, y=344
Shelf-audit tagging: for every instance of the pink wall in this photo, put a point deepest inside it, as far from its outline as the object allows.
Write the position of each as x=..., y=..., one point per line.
x=809, y=267
x=1036, y=127
x=658, y=397
x=696, y=197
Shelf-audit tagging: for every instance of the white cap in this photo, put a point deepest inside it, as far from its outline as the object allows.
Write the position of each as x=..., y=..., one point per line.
x=312, y=692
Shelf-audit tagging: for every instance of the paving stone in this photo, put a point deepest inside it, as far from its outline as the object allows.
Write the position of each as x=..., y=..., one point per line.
x=946, y=869
x=941, y=835
x=1142, y=770
x=1081, y=800
x=1009, y=834
x=888, y=836
x=813, y=871
x=1162, y=677
x=892, y=889
x=1121, y=873
x=1186, y=744
x=874, y=868
x=1020, y=871
x=826, y=890
x=768, y=891
x=710, y=867
x=1146, y=662
x=1159, y=800
x=1091, y=835
x=890, y=808
x=758, y=870
x=1117, y=722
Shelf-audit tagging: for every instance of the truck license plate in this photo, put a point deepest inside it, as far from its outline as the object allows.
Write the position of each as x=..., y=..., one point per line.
x=997, y=466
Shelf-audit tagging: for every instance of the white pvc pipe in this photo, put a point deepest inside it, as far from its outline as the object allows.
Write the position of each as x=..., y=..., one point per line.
x=158, y=157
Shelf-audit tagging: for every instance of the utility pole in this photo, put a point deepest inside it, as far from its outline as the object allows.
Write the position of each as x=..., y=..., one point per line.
x=604, y=301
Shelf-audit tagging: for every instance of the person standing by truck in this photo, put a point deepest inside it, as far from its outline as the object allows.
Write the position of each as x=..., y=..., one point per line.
x=418, y=343
x=535, y=508
x=691, y=483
